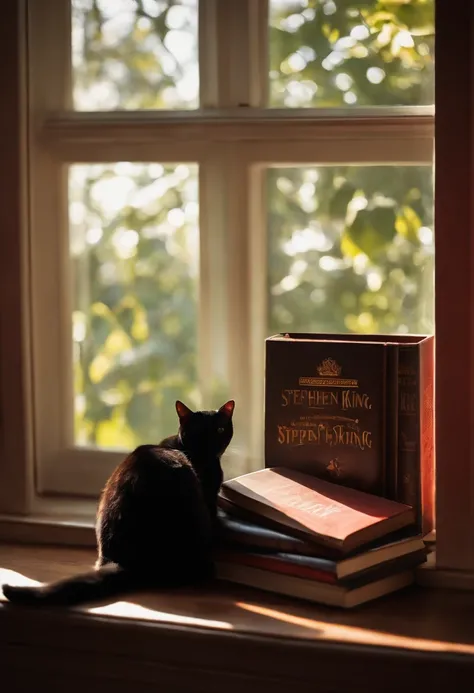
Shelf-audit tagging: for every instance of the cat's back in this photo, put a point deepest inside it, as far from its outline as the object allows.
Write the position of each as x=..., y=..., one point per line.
x=148, y=471
x=152, y=503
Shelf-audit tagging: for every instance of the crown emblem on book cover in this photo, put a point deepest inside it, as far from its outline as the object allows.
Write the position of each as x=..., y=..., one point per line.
x=329, y=368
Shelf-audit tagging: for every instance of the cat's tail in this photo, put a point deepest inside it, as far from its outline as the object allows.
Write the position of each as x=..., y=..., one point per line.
x=107, y=581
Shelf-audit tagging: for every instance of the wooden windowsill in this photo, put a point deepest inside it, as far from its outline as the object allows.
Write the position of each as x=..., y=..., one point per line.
x=201, y=640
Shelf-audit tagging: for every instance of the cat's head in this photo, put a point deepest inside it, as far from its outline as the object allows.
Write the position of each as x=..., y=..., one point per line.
x=206, y=433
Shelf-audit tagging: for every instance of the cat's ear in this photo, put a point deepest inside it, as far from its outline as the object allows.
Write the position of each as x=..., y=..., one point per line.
x=228, y=408
x=183, y=411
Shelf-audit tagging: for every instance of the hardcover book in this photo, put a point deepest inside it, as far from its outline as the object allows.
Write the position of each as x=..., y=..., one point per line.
x=356, y=410
x=344, y=596
x=310, y=569
x=331, y=515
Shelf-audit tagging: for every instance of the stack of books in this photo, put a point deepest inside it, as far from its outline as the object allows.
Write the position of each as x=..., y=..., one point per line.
x=287, y=532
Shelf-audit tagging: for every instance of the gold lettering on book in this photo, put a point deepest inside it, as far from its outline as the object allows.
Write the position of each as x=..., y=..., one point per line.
x=329, y=367
x=328, y=371
x=354, y=400
x=317, y=399
x=324, y=415
x=324, y=434
x=326, y=382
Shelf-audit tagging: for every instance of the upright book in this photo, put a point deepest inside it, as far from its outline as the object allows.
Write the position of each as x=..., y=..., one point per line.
x=355, y=410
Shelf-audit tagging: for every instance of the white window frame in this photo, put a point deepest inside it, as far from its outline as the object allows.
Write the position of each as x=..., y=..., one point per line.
x=232, y=144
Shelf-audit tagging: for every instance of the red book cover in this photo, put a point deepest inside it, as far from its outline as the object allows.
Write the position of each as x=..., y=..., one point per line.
x=317, y=510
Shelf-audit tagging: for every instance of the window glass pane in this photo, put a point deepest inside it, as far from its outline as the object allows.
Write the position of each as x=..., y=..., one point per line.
x=350, y=249
x=334, y=53
x=135, y=54
x=135, y=257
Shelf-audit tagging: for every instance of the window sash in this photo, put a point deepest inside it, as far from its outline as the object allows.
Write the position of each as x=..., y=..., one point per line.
x=231, y=176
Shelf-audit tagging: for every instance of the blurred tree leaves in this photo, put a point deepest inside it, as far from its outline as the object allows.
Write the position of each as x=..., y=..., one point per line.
x=357, y=255
x=372, y=230
x=333, y=53
x=136, y=281
x=135, y=54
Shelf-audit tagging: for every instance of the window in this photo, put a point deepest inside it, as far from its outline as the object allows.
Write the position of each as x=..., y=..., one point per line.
x=204, y=174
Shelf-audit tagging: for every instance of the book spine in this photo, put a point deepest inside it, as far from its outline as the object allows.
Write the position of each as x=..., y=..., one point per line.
x=267, y=450
x=391, y=421
x=427, y=435
x=409, y=453
x=276, y=565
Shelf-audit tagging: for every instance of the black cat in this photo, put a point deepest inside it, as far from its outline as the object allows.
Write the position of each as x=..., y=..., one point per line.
x=157, y=516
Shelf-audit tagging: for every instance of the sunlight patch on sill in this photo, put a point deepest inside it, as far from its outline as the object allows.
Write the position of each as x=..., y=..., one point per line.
x=12, y=577
x=130, y=610
x=356, y=635
x=120, y=609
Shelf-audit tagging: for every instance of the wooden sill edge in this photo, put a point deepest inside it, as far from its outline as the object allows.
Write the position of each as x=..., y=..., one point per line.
x=42, y=529
x=187, y=658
